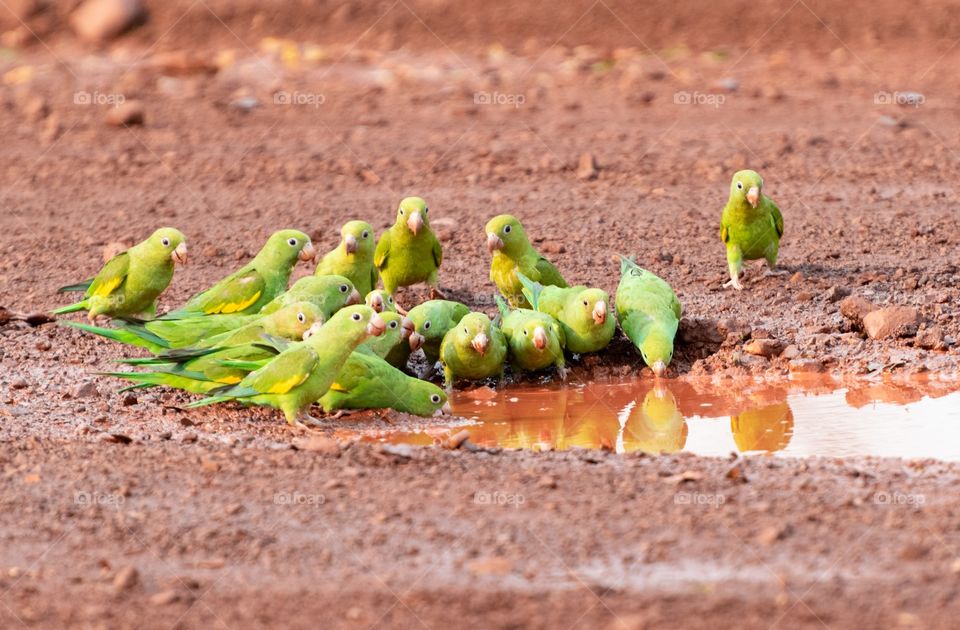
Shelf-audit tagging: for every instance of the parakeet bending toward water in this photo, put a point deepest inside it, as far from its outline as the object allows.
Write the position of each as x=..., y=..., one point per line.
x=368, y=382
x=649, y=314
x=751, y=225
x=512, y=253
x=303, y=372
x=582, y=311
x=474, y=349
x=129, y=284
x=409, y=253
x=534, y=339
x=380, y=301
x=432, y=320
x=251, y=287
x=353, y=257
x=330, y=293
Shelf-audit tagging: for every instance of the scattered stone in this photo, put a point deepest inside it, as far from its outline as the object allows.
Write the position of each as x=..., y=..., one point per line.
x=129, y=400
x=164, y=598
x=552, y=247
x=404, y=451
x=36, y=109
x=369, y=177
x=457, y=440
x=115, y=438
x=19, y=384
x=803, y=296
x=891, y=322
x=87, y=390
x=318, y=444
x=494, y=565
x=126, y=578
x=128, y=113
x=805, y=366
x=587, y=168
x=930, y=338
x=835, y=294
x=101, y=20
x=790, y=352
x=764, y=348
x=771, y=535
x=547, y=482
x=855, y=308
x=43, y=345
x=728, y=84
x=245, y=104
x=189, y=438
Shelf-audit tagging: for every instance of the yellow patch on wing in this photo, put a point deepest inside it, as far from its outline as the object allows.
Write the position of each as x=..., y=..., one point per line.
x=234, y=307
x=106, y=288
x=337, y=387
x=229, y=380
x=282, y=387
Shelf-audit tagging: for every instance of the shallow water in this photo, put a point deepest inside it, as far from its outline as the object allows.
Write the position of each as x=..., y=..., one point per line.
x=913, y=419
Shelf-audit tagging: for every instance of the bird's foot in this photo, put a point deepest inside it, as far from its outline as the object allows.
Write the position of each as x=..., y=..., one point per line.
x=307, y=423
x=437, y=294
x=343, y=413
x=735, y=283
x=399, y=308
x=562, y=373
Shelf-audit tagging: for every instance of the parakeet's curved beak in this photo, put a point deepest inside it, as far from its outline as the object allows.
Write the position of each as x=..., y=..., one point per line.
x=314, y=328
x=350, y=243
x=494, y=242
x=600, y=312
x=376, y=326
x=309, y=252
x=179, y=255
x=540, y=337
x=480, y=343
x=753, y=196
x=415, y=222
x=355, y=299
x=375, y=301
x=407, y=327
x=659, y=368
x=416, y=341
x=444, y=411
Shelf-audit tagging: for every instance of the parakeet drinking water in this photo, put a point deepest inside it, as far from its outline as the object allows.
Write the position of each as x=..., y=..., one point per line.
x=474, y=349
x=751, y=225
x=649, y=314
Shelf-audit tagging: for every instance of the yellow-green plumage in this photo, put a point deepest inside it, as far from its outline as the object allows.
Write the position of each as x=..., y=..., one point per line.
x=474, y=349
x=353, y=257
x=751, y=225
x=432, y=320
x=513, y=253
x=409, y=252
x=649, y=314
x=368, y=382
x=583, y=312
x=534, y=340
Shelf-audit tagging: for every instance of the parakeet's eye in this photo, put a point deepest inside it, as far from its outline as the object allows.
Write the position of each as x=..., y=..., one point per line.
x=426, y=209
x=467, y=332
x=524, y=333
x=165, y=242
x=365, y=234
x=301, y=318
x=585, y=303
x=355, y=317
x=390, y=300
x=402, y=212
x=507, y=229
x=392, y=324
x=292, y=242
x=435, y=399
x=426, y=325
x=739, y=185
x=344, y=288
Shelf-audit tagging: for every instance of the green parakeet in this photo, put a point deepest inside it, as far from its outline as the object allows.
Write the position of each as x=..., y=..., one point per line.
x=330, y=293
x=534, y=340
x=649, y=314
x=397, y=333
x=380, y=301
x=751, y=225
x=409, y=252
x=512, y=253
x=353, y=257
x=432, y=320
x=129, y=284
x=303, y=372
x=251, y=287
x=368, y=382
x=581, y=311
x=474, y=349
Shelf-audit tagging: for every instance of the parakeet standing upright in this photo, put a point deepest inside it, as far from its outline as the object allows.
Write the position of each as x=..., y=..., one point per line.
x=474, y=349
x=581, y=311
x=512, y=252
x=534, y=339
x=649, y=314
x=252, y=286
x=409, y=252
x=353, y=257
x=302, y=373
x=129, y=284
x=751, y=225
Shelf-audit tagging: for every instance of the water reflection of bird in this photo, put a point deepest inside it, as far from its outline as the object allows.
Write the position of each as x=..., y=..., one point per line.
x=766, y=428
x=654, y=426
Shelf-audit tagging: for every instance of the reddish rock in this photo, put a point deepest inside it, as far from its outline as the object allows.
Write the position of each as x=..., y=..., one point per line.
x=855, y=308
x=806, y=366
x=125, y=114
x=587, y=168
x=891, y=322
x=764, y=348
x=101, y=20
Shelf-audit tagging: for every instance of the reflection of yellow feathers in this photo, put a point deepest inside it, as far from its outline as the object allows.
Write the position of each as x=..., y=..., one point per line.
x=765, y=429
x=656, y=426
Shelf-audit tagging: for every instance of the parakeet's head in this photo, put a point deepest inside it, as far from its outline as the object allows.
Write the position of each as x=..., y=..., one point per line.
x=657, y=350
x=746, y=187
x=286, y=247
x=380, y=301
x=294, y=321
x=766, y=429
x=430, y=320
x=167, y=243
x=356, y=323
x=474, y=332
x=413, y=213
x=330, y=293
x=423, y=398
x=536, y=334
x=398, y=329
x=593, y=306
x=506, y=235
x=356, y=237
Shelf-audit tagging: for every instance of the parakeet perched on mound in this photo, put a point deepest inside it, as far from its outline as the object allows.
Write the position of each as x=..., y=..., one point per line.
x=474, y=349
x=649, y=314
x=303, y=372
x=409, y=253
x=534, y=340
x=353, y=257
x=368, y=382
x=512, y=253
x=129, y=284
x=751, y=225
x=330, y=293
x=581, y=311
x=250, y=288
x=432, y=320
x=380, y=301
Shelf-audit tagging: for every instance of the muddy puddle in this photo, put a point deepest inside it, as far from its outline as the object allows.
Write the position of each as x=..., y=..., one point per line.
x=816, y=417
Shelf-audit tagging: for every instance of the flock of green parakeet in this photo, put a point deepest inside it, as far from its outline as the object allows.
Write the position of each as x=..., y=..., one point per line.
x=336, y=339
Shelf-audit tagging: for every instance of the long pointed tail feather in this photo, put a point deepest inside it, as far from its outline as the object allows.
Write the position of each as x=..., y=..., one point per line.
x=531, y=290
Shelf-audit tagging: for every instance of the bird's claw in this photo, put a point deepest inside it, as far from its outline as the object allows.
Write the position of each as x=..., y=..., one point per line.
x=735, y=283
x=436, y=294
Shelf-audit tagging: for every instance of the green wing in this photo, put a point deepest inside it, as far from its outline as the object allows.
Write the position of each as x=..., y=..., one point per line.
x=111, y=277
x=549, y=275
x=233, y=295
x=437, y=251
x=382, y=251
x=287, y=371
x=777, y=217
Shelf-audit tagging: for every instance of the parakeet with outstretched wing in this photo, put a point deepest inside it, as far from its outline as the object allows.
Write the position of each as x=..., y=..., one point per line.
x=582, y=311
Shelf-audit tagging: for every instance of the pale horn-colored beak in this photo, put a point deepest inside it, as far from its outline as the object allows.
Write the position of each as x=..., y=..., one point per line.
x=354, y=298
x=540, y=337
x=376, y=326
x=179, y=255
x=350, y=243
x=446, y=410
x=753, y=196
x=659, y=368
x=314, y=328
x=309, y=252
x=407, y=328
x=375, y=301
x=494, y=243
x=480, y=343
x=415, y=222
x=416, y=341
x=600, y=312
